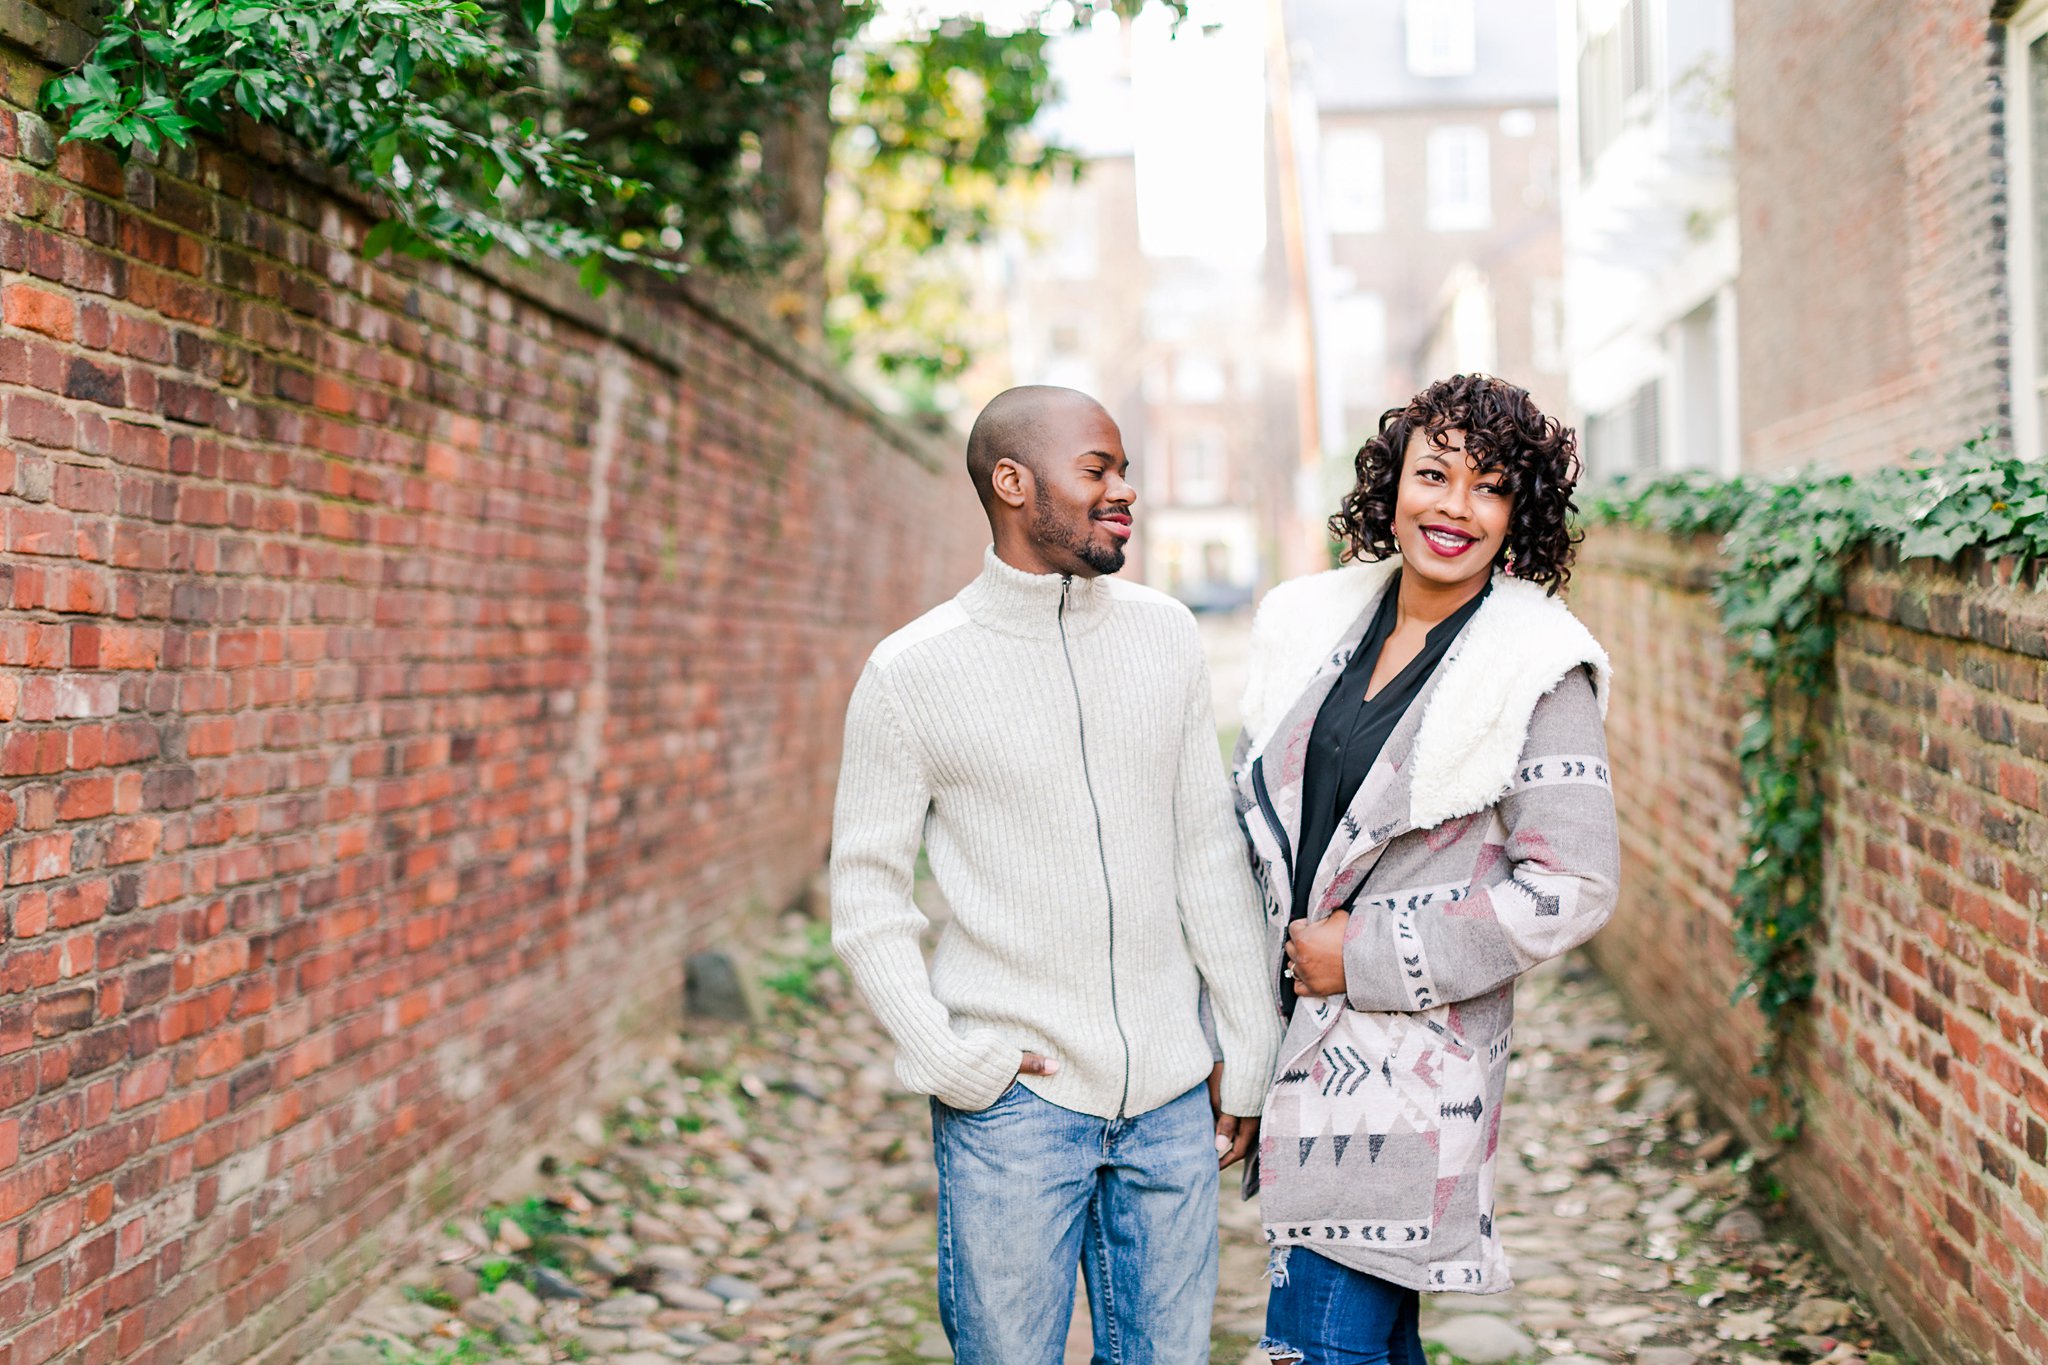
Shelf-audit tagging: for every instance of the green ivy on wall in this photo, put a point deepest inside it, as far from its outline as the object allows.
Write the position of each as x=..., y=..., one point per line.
x=1786, y=544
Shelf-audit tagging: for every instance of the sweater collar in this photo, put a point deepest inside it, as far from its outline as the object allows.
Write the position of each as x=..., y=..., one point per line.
x=1018, y=603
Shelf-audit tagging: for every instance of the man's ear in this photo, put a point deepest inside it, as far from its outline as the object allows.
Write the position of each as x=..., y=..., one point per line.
x=1011, y=481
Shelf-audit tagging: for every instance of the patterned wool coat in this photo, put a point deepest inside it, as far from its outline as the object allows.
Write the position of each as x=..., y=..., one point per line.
x=1485, y=835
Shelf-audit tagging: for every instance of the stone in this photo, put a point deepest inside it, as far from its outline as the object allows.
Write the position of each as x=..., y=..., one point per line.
x=602, y=1186
x=666, y=1260
x=457, y=1282
x=624, y=1310
x=356, y=1352
x=1480, y=1340
x=518, y=1302
x=680, y=1292
x=513, y=1237
x=714, y=987
x=1666, y=1355
x=601, y=1341
x=1615, y=1201
x=1738, y=1227
x=933, y=1345
x=486, y=1314
x=550, y=1283
x=402, y=1318
x=732, y=1289
x=1813, y=1316
x=1550, y=1287
x=1715, y=1147
x=1620, y=1316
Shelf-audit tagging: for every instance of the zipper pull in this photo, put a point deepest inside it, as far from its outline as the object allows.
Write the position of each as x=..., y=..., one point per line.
x=1066, y=583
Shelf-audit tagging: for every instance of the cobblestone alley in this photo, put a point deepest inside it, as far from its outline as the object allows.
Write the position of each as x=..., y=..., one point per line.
x=766, y=1196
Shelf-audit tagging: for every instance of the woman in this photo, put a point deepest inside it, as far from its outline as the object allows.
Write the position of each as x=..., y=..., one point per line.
x=1423, y=781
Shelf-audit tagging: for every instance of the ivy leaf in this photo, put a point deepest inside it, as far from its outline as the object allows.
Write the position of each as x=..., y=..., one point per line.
x=381, y=237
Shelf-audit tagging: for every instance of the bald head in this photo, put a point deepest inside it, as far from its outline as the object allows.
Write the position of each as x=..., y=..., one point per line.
x=1018, y=424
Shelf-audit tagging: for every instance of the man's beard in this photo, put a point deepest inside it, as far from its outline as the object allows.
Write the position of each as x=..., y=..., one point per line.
x=1048, y=529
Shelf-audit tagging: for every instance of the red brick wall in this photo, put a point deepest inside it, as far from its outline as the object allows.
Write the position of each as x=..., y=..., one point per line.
x=399, y=673
x=1870, y=180
x=1924, y=1058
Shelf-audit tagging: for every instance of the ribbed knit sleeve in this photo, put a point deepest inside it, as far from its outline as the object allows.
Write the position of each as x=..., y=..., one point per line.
x=877, y=827
x=1221, y=911
x=1564, y=857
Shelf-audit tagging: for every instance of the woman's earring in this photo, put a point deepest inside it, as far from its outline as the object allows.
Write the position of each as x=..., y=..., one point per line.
x=1509, y=563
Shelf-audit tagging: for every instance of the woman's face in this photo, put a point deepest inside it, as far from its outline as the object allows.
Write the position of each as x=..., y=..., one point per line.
x=1451, y=520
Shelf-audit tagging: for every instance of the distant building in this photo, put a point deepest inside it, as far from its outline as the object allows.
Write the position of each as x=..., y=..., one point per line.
x=1650, y=233
x=1176, y=347
x=1422, y=138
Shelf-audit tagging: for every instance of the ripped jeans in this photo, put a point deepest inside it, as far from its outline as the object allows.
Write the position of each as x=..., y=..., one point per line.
x=1322, y=1313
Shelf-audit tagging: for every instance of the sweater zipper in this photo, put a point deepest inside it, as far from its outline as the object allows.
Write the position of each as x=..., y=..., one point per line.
x=1101, y=850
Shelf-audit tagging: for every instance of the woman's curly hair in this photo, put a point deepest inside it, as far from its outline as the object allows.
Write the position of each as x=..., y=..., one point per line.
x=1536, y=457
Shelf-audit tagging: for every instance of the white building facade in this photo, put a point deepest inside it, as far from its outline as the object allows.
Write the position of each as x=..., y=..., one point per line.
x=1650, y=233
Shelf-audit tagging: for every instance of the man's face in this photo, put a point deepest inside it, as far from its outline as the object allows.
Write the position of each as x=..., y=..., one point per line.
x=1081, y=503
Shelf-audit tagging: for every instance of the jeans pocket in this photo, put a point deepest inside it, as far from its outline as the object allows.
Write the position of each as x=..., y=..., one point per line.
x=1010, y=1096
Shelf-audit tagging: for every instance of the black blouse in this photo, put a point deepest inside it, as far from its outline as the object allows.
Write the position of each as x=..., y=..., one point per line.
x=1351, y=729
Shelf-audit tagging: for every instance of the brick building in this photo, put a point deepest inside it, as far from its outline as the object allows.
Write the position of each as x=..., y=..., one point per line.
x=1887, y=166
x=1425, y=147
x=1874, y=144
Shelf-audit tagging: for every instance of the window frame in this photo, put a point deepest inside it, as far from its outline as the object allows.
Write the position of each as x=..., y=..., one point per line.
x=1435, y=214
x=2024, y=232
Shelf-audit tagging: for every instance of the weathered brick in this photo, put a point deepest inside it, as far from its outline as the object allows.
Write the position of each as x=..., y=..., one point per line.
x=294, y=635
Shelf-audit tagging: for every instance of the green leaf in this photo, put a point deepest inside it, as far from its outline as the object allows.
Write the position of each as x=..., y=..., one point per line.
x=381, y=237
x=211, y=83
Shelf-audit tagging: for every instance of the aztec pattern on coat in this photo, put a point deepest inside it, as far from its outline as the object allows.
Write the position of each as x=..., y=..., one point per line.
x=1485, y=838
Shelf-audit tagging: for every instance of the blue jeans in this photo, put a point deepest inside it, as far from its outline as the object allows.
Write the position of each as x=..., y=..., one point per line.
x=1028, y=1190
x=1322, y=1313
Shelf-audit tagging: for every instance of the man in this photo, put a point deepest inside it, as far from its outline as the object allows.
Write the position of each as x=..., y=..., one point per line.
x=1047, y=736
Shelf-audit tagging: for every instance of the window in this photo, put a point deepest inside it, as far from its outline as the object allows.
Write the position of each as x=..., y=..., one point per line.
x=1198, y=475
x=1460, y=194
x=1441, y=37
x=1354, y=181
x=2027, y=54
x=1624, y=439
x=1616, y=70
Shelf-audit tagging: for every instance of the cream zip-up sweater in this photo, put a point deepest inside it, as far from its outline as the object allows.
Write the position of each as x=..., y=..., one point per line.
x=1050, y=742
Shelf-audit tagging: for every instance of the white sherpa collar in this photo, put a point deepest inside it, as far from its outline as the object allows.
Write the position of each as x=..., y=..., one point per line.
x=1517, y=647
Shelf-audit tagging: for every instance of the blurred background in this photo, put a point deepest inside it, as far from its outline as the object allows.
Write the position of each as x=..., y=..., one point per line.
x=1281, y=219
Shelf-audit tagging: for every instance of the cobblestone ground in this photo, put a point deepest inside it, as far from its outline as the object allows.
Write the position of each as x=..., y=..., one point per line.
x=766, y=1196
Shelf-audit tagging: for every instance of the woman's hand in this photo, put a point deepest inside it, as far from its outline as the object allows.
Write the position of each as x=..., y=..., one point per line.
x=1315, y=954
